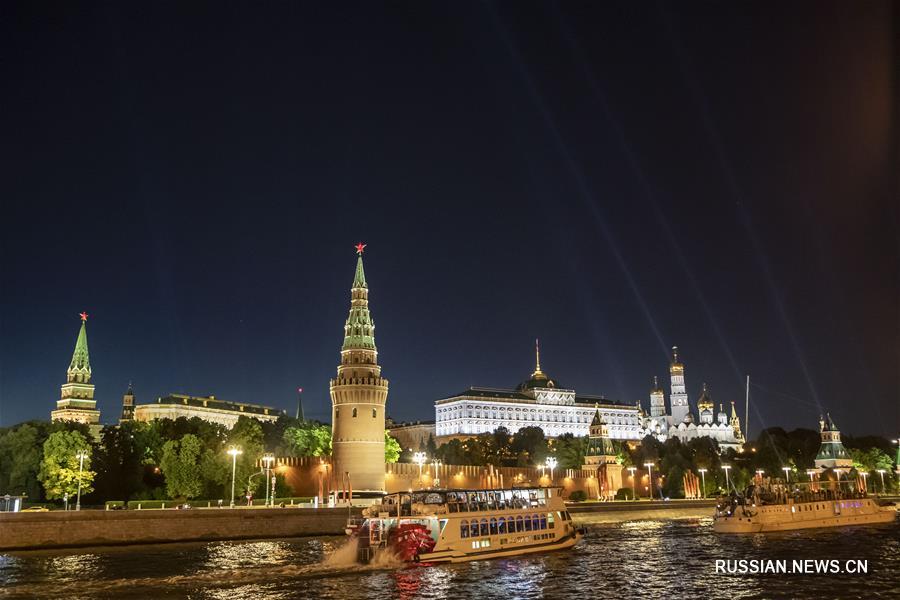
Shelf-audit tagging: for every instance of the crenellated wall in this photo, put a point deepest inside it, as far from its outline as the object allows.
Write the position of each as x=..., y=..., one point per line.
x=315, y=477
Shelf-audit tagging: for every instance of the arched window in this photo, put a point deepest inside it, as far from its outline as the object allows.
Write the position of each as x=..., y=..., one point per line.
x=354, y=413
x=535, y=522
x=527, y=523
x=463, y=529
x=519, y=525
x=501, y=525
x=484, y=527
x=473, y=528
x=493, y=526
x=543, y=520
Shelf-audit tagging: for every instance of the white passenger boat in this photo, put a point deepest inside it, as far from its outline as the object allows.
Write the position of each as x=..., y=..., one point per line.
x=432, y=526
x=762, y=510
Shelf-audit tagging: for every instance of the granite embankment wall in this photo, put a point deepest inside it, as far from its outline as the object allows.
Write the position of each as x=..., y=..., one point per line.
x=23, y=531
x=617, y=512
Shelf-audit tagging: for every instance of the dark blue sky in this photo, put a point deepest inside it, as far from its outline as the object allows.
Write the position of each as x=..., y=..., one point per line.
x=613, y=178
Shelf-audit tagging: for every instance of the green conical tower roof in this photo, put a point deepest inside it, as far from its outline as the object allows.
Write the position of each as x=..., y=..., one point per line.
x=359, y=330
x=359, y=279
x=81, y=360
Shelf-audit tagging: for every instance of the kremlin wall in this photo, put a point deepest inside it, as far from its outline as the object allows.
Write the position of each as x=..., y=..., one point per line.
x=313, y=477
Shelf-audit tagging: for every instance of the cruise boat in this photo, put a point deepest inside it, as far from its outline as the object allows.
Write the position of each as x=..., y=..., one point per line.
x=775, y=508
x=437, y=526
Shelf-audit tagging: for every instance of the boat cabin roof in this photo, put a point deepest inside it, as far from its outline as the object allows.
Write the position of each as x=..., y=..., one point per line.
x=445, y=496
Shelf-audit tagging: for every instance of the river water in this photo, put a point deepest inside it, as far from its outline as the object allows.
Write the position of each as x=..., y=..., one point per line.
x=634, y=559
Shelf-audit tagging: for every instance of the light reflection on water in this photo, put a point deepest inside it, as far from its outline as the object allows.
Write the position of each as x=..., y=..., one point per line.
x=636, y=559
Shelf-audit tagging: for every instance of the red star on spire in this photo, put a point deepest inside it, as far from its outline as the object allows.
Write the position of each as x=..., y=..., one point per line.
x=83, y=316
x=360, y=247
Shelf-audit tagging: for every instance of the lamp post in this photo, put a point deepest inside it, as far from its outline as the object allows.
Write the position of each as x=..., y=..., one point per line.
x=650, y=466
x=881, y=472
x=551, y=462
x=419, y=458
x=727, y=481
x=703, y=479
x=787, y=474
x=268, y=459
x=759, y=473
x=542, y=466
x=633, y=483
x=865, y=476
x=81, y=455
x=233, y=451
x=435, y=464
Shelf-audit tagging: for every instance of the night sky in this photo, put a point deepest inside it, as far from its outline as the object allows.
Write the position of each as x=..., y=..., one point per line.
x=613, y=178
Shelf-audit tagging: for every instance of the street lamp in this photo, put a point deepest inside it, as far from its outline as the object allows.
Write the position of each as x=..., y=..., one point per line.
x=727, y=481
x=759, y=473
x=419, y=458
x=881, y=472
x=787, y=474
x=268, y=458
x=633, y=484
x=542, y=466
x=233, y=451
x=551, y=462
x=435, y=464
x=865, y=476
x=81, y=455
x=650, y=466
x=703, y=478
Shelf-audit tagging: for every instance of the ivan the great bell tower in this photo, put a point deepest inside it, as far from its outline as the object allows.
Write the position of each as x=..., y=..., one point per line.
x=358, y=395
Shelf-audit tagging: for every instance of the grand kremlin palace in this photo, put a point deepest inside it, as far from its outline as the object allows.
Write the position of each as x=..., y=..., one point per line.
x=537, y=402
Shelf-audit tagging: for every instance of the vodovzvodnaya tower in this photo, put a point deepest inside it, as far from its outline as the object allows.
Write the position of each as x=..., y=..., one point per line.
x=358, y=395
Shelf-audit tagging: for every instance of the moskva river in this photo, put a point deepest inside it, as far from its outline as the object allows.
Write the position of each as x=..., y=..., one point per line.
x=636, y=559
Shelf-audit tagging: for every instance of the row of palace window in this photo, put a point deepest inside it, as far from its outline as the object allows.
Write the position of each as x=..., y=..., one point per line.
x=554, y=417
x=337, y=413
x=495, y=526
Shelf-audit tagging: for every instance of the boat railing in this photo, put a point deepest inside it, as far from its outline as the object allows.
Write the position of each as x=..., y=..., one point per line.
x=781, y=494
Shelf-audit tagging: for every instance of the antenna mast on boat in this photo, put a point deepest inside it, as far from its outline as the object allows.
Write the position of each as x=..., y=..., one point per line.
x=747, y=411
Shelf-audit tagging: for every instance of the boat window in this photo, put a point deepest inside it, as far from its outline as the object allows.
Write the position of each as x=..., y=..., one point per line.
x=519, y=525
x=543, y=521
x=463, y=529
x=550, y=520
x=528, y=523
x=493, y=526
x=484, y=527
x=473, y=529
x=501, y=525
x=443, y=524
x=535, y=522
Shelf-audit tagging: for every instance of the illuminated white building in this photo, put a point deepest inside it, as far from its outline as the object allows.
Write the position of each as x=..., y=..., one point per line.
x=537, y=402
x=724, y=429
x=208, y=408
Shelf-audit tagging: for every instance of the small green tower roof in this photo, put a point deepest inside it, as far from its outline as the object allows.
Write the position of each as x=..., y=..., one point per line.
x=359, y=278
x=81, y=360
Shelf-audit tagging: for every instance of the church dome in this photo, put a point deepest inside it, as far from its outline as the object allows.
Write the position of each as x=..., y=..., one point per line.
x=688, y=418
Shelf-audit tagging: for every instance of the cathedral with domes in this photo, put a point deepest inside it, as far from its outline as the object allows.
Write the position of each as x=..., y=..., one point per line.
x=680, y=423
